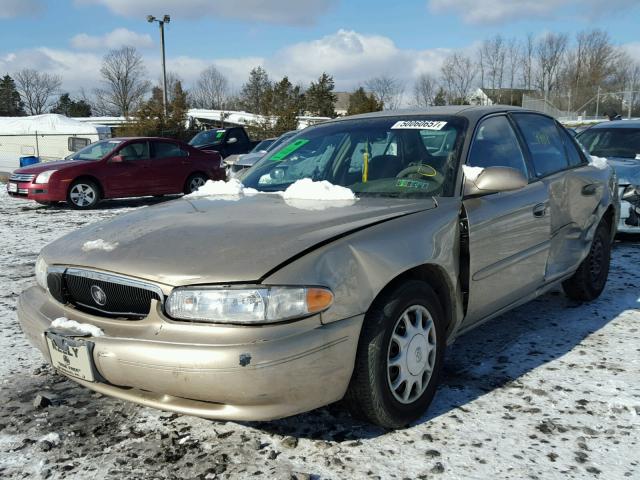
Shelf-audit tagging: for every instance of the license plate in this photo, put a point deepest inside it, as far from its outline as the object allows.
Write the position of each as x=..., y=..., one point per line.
x=13, y=187
x=71, y=356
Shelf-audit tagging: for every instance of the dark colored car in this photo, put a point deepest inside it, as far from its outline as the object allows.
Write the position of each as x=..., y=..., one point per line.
x=619, y=143
x=117, y=168
x=247, y=161
x=225, y=141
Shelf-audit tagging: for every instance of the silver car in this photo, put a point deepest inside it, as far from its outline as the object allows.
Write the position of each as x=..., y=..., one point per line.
x=259, y=306
x=619, y=143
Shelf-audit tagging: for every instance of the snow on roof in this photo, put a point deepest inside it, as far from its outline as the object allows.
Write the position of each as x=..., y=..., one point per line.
x=48, y=123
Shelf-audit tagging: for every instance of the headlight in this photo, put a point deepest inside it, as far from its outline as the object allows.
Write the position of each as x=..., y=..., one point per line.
x=44, y=176
x=41, y=272
x=247, y=305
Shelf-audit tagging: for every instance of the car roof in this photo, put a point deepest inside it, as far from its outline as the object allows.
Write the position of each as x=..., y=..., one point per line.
x=617, y=124
x=471, y=112
x=126, y=139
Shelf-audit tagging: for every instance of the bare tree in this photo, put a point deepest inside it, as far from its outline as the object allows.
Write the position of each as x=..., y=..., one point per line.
x=492, y=62
x=211, y=90
x=550, y=51
x=424, y=90
x=527, y=67
x=458, y=72
x=125, y=84
x=514, y=60
x=387, y=90
x=37, y=89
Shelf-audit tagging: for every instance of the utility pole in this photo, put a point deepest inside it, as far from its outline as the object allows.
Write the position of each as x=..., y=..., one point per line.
x=598, y=102
x=165, y=19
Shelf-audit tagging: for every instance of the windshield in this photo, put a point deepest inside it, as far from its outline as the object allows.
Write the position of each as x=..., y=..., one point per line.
x=96, y=151
x=263, y=146
x=612, y=142
x=208, y=137
x=389, y=156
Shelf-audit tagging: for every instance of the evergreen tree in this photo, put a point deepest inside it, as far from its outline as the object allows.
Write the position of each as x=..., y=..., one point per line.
x=441, y=98
x=11, y=104
x=71, y=108
x=287, y=103
x=320, y=99
x=363, y=102
x=252, y=94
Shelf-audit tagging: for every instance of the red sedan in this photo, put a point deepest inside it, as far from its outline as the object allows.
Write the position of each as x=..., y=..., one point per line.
x=117, y=168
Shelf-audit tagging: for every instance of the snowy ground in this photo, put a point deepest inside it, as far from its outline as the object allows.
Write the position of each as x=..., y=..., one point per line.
x=551, y=390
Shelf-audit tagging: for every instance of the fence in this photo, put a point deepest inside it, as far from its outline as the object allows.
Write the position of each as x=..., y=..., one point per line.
x=45, y=146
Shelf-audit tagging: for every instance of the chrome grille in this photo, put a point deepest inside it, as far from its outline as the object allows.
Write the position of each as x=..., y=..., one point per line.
x=120, y=297
x=21, y=177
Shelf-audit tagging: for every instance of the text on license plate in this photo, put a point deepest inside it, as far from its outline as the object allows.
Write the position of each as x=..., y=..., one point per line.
x=13, y=187
x=73, y=359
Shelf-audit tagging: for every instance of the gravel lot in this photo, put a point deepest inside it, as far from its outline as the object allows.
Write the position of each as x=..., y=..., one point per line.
x=551, y=390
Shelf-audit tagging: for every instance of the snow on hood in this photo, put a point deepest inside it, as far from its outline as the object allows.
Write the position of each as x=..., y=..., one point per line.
x=598, y=162
x=232, y=188
x=78, y=328
x=99, y=244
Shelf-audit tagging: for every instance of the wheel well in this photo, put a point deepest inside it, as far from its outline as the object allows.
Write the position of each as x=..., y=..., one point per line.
x=197, y=172
x=436, y=278
x=89, y=178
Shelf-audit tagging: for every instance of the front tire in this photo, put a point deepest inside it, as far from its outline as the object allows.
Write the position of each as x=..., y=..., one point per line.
x=591, y=277
x=399, y=358
x=194, y=182
x=83, y=194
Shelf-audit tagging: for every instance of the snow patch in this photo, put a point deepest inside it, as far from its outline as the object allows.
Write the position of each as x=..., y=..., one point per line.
x=99, y=244
x=79, y=328
x=307, y=189
x=219, y=187
x=471, y=173
x=52, y=437
x=598, y=162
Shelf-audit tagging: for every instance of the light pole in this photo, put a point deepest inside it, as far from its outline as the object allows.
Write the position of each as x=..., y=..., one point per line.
x=165, y=19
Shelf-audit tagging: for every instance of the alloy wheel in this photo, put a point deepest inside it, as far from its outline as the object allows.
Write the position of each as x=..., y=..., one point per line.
x=411, y=354
x=196, y=183
x=83, y=195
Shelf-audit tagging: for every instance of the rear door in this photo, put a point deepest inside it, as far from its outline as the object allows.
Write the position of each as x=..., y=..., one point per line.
x=574, y=190
x=508, y=231
x=131, y=176
x=170, y=165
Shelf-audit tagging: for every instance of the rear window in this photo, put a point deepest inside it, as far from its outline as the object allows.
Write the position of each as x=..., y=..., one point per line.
x=612, y=142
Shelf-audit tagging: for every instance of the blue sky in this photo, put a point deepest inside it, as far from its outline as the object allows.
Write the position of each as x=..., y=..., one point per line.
x=353, y=40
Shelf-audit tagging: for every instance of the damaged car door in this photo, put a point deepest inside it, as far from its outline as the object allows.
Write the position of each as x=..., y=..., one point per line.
x=508, y=230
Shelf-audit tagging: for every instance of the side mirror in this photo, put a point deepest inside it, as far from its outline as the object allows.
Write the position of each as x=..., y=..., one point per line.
x=494, y=180
x=631, y=194
x=117, y=159
x=232, y=140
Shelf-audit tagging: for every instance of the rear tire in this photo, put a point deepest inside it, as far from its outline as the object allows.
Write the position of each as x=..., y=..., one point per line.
x=591, y=277
x=194, y=182
x=400, y=356
x=83, y=194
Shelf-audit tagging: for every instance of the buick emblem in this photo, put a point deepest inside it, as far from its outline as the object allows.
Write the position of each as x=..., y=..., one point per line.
x=98, y=295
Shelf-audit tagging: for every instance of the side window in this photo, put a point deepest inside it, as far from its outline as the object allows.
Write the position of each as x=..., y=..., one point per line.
x=167, y=150
x=575, y=158
x=496, y=145
x=135, y=151
x=544, y=142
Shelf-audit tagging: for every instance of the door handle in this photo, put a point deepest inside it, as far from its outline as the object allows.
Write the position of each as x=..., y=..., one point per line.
x=589, y=190
x=540, y=210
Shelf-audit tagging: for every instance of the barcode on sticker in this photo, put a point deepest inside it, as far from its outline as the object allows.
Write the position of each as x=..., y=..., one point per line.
x=419, y=125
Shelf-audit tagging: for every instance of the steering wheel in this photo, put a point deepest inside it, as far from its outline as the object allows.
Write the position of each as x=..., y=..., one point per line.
x=421, y=172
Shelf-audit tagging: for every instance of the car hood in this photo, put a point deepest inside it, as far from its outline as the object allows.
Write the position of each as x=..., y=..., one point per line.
x=55, y=165
x=219, y=239
x=627, y=170
x=250, y=158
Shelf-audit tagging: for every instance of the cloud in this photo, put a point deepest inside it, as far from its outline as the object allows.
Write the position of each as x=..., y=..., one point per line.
x=502, y=11
x=115, y=39
x=288, y=12
x=19, y=8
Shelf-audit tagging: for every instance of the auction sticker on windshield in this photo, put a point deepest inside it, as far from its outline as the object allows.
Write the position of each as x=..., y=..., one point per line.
x=289, y=149
x=70, y=356
x=419, y=125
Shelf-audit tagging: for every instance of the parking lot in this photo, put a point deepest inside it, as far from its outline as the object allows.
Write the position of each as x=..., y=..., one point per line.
x=548, y=390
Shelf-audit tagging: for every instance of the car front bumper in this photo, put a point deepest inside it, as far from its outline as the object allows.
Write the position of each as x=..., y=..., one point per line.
x=211, y=371
x=629, y=218
x=42, y=192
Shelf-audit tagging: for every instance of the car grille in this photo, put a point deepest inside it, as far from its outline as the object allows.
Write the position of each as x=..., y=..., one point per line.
x=21, y=177
x=109, y=295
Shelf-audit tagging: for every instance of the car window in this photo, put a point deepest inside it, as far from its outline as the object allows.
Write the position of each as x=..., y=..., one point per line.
x=167, y=150
x=496, y=145
x=384, y=156
x=544, y=142
x=612, y=142
x=573, y=153
x=96, y=151
x=135, y=151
